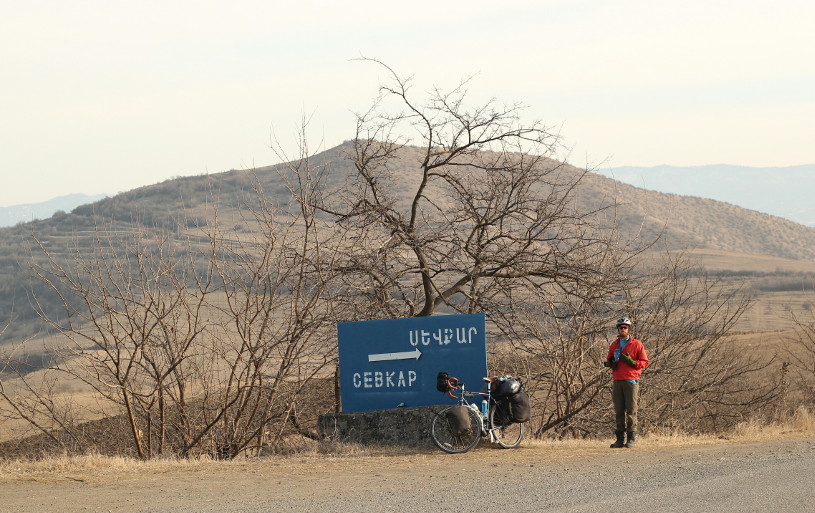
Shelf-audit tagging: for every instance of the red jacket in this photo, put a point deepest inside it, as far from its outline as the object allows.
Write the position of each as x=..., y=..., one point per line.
x=635, y=350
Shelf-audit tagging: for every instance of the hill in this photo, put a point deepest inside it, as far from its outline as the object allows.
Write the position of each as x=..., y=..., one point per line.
x=185, y=203
x=703, y=223
x=689, y=221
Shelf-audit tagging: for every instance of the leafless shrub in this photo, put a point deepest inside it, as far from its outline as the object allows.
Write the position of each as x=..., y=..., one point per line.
x=800, y=353
x=202, y=349
x=695, y=382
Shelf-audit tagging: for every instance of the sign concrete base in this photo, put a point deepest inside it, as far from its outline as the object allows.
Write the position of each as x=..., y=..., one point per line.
x=408, y=426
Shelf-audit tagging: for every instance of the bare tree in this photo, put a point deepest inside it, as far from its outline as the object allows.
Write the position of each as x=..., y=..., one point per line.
x=474, y=208
x=463, y=209
x=35, y=399
x=21, y=399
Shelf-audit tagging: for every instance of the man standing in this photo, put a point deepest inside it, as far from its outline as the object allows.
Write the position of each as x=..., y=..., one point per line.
x=627, y=359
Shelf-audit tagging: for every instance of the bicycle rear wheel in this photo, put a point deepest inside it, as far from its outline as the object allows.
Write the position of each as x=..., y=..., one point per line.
x=508, y=434
x=444, y=436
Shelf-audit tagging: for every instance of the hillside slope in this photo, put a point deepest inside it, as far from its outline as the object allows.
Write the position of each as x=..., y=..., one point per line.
x=184, y=204
x=703, y=223
x=687, y=220
x=781, y=191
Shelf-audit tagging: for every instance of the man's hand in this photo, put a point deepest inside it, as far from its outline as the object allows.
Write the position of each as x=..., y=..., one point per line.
x=627, y=359
x=610, y=363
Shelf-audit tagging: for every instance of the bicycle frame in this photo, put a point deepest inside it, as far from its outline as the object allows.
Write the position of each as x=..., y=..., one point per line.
x=448, y=434
x=483, y=416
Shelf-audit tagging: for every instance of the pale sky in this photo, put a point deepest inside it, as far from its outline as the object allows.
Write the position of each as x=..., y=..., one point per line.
x=105, y=96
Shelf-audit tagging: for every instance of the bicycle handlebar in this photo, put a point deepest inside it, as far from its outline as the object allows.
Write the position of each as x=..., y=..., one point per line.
x=452, y=384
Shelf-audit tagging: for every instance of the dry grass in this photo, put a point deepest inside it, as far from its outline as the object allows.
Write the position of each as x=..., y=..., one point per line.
x=102, y=468
x=731, y=261
x=94, y=467
x=89, y=466
x=773, y=311
x=800, y=423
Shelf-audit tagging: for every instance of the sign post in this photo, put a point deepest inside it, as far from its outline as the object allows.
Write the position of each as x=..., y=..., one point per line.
x=394, y=362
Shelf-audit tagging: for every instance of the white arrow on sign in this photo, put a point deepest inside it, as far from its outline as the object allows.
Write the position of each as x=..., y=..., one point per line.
x=415, y=354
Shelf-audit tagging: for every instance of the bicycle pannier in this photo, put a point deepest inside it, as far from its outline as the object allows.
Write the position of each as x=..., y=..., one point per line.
x=441, y=382
x=501, y=415
x=519, y=407
x=507, y=387
x=458, y=419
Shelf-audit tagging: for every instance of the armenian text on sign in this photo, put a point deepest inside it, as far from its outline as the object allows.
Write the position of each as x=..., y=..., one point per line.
x=394, y=362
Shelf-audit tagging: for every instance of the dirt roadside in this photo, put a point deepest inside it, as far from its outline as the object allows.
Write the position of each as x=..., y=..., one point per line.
x=534, y=477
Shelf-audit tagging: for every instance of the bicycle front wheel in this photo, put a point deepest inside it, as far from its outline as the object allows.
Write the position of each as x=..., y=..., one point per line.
x=452, y=438
x=508, y=434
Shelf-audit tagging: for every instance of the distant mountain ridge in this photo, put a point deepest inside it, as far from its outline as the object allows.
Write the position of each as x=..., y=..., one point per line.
x=9, y=216
x=780, y=191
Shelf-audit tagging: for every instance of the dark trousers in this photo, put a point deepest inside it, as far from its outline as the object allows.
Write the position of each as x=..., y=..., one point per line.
x=625, y=396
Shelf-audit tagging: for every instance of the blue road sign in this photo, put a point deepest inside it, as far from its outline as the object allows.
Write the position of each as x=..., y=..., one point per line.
x=391, y=362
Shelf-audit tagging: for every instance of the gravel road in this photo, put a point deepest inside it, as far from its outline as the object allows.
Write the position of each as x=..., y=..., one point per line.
x=724, y=477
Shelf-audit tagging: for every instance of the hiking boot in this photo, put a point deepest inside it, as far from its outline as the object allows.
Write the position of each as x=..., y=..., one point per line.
x=632, y=439
x=620, y=440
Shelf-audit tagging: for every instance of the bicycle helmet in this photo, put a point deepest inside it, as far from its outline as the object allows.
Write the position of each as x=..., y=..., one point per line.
x=624, y=321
